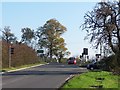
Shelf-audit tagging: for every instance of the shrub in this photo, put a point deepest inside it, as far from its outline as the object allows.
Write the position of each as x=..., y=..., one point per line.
x=22, y=55
x=111, y=64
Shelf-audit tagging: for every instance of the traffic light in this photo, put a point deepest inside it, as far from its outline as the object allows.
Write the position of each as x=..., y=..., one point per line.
x=12, y=50
x=80, y=56
x=97, y=55
x=85, y=51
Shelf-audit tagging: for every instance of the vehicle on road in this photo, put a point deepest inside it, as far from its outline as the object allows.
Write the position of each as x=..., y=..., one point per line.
x=93, y=65
x=72, y=60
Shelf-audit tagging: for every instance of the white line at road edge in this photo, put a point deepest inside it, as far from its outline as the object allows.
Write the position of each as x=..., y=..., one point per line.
x=71, y=76
x=24, y=68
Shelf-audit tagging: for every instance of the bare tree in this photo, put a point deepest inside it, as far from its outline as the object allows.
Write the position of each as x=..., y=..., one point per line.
x=8, y=35
x=27, y=35
x=103, y=26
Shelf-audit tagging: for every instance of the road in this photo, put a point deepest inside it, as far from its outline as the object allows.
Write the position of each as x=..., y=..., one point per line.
x=46, y=76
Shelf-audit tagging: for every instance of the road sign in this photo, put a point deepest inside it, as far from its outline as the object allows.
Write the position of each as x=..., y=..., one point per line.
x=40, y=51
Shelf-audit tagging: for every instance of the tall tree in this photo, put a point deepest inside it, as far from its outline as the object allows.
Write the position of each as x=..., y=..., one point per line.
x=60, y=50
x=49, y=34
x=103, y=26
x=8, y=35
x=27, y=35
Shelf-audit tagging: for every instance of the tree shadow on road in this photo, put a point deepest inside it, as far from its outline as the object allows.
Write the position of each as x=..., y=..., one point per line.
x=33, y=72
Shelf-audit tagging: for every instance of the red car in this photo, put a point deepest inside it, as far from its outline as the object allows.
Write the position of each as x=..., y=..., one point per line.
x=72, y=60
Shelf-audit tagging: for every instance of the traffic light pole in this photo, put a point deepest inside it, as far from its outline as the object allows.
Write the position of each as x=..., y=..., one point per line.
x=9, y=55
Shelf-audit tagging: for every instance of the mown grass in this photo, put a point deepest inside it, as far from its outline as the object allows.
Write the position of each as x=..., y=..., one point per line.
x=86, y=80
x=22, y=66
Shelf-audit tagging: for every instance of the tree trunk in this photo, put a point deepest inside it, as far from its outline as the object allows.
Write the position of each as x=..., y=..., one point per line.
x=51, y=51
x=118, y=58
x=50, y=54
x=110, y=44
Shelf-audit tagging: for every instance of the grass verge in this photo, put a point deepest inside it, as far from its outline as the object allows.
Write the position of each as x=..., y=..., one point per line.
x=19, y=67
x=98, y=79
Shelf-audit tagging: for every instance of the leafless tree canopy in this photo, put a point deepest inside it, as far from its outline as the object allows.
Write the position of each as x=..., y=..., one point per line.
x=103, y=25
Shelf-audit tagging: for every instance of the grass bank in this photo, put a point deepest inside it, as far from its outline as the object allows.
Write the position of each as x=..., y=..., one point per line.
x=22, y=66
x=101, y=79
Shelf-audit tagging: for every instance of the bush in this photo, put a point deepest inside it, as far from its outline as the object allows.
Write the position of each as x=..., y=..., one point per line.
x=22, y=55
x=84, y=64
x=111, y=64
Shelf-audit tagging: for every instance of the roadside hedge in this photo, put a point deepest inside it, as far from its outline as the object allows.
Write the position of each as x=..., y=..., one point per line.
x=22, y=55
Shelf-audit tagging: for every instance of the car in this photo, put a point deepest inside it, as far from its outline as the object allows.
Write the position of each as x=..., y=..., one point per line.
x=72, y=60
x=93, y=65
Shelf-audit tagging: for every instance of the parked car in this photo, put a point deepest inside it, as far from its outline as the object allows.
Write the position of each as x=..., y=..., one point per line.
x=93, y=65
x=72, y=60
